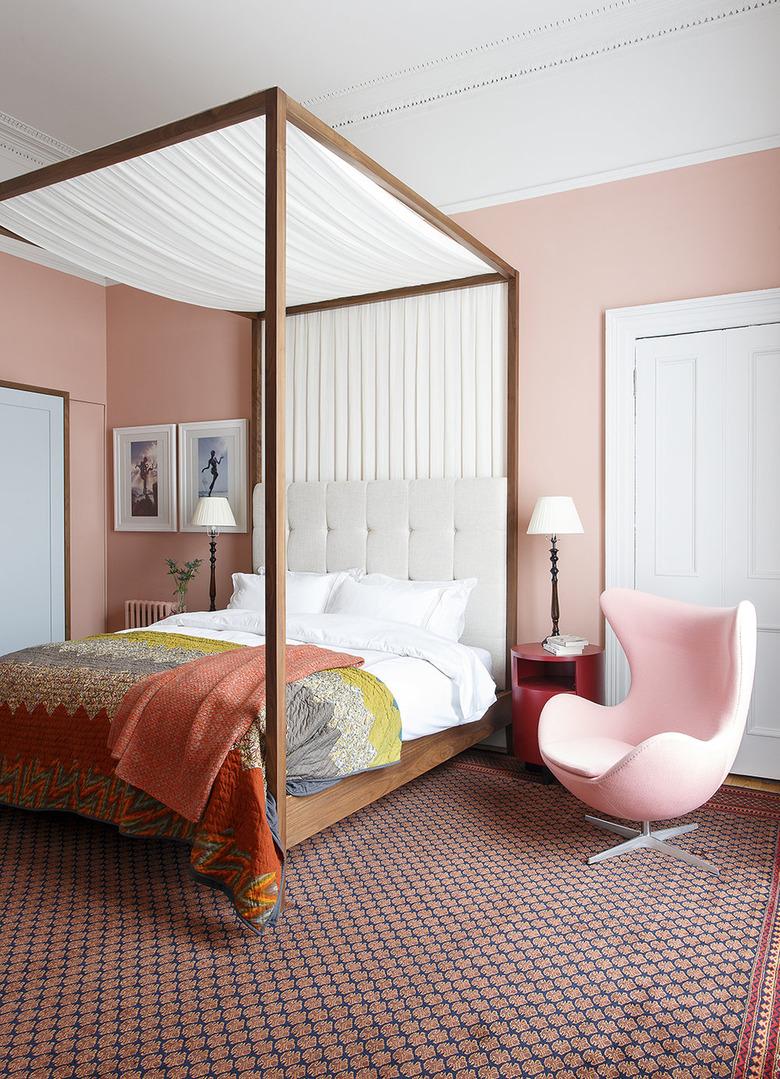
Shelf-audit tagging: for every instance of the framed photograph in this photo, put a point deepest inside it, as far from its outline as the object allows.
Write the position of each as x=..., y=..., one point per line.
x=145, y=478
x=213, y=461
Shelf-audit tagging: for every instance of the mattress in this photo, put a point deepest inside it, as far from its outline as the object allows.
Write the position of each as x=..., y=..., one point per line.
x=484, y=657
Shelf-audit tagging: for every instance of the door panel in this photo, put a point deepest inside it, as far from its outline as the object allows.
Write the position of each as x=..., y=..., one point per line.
x=679, y=505
x=707, y=520
x=32, y=536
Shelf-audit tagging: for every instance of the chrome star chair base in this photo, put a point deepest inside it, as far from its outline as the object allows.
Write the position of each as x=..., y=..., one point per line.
x=636, y=839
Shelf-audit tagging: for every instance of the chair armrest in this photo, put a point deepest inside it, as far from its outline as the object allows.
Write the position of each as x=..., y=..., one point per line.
x=567, y=716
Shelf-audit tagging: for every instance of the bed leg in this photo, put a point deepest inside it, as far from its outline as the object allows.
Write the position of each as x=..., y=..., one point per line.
x=510, y=748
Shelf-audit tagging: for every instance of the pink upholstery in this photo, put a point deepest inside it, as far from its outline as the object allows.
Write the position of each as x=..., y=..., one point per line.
x=670, y=744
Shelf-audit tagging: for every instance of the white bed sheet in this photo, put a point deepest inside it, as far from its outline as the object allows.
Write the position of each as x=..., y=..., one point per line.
x=484, y=657
x=429, y=700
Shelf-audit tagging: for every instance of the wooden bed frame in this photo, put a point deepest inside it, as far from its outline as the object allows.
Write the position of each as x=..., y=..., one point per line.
x=312, y=813
x=303, y=817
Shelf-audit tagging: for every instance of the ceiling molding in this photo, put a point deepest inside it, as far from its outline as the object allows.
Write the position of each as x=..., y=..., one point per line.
x=641, y=168
x=21, y=140
x=544, y=48
x=474, y=50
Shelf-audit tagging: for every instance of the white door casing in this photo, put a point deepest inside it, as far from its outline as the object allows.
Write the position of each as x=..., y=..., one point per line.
x=32, y=537
x=703, y=493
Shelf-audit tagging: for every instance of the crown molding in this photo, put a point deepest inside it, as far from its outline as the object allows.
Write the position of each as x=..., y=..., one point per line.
x=23, y=141
x=641, y=168
x=474, y=50
x=596, y=32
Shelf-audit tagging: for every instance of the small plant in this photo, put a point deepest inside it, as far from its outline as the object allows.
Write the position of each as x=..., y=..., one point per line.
x=183, y=576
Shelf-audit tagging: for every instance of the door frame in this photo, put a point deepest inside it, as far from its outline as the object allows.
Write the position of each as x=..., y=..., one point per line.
x=65, y=395
x=625, y=326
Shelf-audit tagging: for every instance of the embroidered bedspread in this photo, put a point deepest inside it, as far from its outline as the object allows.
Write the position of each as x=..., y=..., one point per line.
x=174, y=729
x=57, y=702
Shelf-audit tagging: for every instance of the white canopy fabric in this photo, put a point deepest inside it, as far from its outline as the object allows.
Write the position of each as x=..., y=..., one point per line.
x=187, y=222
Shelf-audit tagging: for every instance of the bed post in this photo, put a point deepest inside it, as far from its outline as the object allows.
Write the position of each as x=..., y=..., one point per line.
x=512, y=462
x=274, y=470
x=256, y=440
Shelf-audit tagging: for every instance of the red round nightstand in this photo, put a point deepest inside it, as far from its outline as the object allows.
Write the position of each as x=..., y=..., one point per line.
x=537, y=675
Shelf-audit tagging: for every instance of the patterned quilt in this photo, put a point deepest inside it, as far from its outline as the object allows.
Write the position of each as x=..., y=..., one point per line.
x=56, y=706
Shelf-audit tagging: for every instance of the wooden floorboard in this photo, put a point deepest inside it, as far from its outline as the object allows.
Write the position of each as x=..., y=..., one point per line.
x=754, y=783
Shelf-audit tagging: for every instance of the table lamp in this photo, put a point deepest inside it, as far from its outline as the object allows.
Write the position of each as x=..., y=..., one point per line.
x=212, y=514
x=553, y=516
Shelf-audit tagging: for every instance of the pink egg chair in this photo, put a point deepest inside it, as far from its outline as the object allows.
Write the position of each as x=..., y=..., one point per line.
x=669, y=745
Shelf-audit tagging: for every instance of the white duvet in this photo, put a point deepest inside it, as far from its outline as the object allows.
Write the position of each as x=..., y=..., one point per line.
x=437, y=683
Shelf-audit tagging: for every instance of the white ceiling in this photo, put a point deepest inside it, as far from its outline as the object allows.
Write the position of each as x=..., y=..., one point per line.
x=471, y=104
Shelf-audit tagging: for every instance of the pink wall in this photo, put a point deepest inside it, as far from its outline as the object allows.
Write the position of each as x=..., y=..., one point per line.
x=697, y=231
x=171, y=363
x=53, y=335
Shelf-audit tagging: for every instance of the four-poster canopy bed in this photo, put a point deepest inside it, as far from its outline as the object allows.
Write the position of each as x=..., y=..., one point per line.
x=179, y=211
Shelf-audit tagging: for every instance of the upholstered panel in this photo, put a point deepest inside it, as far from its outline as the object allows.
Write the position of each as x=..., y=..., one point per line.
x=307, y=530
x=411, y=529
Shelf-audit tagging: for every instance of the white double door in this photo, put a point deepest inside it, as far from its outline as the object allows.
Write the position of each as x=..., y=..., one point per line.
x=32, y=518
x=707, y=522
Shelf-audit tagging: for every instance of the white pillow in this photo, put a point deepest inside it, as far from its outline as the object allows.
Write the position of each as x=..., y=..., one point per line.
x=390, y=604
x=448, y=617
x=307, y=593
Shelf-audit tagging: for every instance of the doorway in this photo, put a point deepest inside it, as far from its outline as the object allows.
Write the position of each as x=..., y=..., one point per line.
x=33, y=536
x=694, y=498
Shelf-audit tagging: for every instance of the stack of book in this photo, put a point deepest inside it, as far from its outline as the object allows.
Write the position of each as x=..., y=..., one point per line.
x=566, y=644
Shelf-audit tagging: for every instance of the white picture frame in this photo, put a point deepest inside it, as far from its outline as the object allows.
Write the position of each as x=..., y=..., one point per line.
x=145, y=478
x=227, y=440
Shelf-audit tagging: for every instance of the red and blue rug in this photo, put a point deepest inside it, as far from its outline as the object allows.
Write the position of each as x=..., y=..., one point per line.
x=462, y=934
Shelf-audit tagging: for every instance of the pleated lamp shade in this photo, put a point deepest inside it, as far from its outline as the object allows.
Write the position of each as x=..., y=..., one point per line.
x=554, y=515
x=213, y=513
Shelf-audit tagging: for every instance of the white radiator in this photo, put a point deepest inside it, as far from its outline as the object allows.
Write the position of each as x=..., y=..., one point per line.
x=142, y=612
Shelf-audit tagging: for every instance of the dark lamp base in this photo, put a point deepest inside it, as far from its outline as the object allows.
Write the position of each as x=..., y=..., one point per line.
x=213, y=585
x=555, y=612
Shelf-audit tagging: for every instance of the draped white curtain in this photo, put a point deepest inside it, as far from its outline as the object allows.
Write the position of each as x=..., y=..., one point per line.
x=412, y=388
x=187, y=222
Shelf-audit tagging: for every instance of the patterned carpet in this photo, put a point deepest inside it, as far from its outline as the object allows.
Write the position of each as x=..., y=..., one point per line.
x=451, y=929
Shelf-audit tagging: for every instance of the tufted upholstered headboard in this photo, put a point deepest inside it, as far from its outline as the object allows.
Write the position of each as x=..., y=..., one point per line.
x=412, y=529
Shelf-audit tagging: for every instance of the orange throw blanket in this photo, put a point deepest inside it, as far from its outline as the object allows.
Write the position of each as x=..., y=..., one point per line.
x=173, y=730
